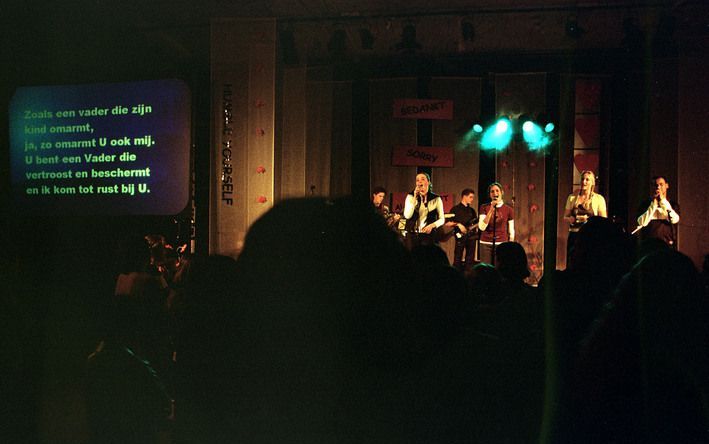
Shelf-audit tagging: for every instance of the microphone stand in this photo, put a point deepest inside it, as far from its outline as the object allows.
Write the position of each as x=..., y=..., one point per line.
x=672, y=229
x=417, y=212
x=494, y=231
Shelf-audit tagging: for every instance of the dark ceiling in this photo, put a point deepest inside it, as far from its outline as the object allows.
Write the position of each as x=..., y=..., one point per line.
x=74, y=36
x=192, y=12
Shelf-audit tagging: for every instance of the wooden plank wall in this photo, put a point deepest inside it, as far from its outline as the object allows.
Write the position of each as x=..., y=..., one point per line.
x=520, y=170
x=293, y=139
x=386, y=132
x=466, y=95
x=243, y=63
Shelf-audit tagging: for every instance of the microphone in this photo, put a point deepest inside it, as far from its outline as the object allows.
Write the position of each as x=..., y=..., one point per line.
x=421, y=195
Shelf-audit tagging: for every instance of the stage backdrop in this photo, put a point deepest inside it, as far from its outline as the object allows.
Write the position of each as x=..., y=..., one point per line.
x=243, y=120
x=314, y=156
x=389, y=131
x=266, y=147
x=520, y=170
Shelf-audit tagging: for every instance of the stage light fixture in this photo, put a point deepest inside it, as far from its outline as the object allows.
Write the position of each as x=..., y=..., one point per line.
x=408, y=41
x=337, y=44
x=535, y=137
x=467, y=31
x=366, y=38
x=497, y=136
x=524, y=129
x=289, y=51
x=573, y=29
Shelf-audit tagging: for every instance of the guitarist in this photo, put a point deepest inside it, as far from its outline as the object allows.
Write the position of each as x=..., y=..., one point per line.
x=464, y=225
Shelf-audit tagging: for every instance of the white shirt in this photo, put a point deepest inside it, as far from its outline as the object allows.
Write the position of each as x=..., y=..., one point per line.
x=663, y=211
x=435, y=204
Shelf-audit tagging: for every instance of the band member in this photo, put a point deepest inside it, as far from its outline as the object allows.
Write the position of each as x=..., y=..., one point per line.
x=423, y=211
x=496, y=223
x=464, y=224
x=378, y=195
x=657, y=216
x=581, y=205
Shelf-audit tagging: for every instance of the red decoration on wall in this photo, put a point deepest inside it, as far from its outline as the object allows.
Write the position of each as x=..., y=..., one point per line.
x=532, y=239
x=588, y=130
x=588, y=94
x=261, y=199
x=586, y=161
x=505, y=164
x=532, y=164
x=533, y=208
x=531, y=187
x=260, y=132
x=258, y=103
x=260, y=170
x=533, y=267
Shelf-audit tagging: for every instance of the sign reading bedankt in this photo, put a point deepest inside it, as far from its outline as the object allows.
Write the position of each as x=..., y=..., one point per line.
x=423, y=109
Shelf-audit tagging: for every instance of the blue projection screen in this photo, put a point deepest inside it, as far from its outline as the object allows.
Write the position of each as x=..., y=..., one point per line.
x=118, y=149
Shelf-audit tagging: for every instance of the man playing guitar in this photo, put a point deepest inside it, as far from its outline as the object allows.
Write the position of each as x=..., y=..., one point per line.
x=463, y=225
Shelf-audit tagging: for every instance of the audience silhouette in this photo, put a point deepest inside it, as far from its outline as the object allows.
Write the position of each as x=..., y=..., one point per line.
x=642, y=374
x=327, y=329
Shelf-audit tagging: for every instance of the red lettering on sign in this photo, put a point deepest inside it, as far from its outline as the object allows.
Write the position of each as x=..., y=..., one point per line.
x=423, y=109
x=432, y=156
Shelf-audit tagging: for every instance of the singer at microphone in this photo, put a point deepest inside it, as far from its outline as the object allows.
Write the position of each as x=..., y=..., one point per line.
x=423, y=211
x=658, y=216
x=496, y=223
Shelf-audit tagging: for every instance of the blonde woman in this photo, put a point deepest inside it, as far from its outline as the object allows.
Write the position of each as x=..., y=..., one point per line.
x=581, y=205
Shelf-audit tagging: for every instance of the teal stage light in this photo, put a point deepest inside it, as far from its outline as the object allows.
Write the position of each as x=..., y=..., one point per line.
x=534, y=136
x=497, y=136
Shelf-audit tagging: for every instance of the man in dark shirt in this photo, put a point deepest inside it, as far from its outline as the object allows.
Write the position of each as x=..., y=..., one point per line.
x=378, y=195
x=658, y=216
x=464, y=221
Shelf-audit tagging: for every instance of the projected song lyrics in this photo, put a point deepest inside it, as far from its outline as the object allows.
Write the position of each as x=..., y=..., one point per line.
x=102, y=147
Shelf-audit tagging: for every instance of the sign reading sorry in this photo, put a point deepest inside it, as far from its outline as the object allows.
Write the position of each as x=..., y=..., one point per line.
x=431, y=156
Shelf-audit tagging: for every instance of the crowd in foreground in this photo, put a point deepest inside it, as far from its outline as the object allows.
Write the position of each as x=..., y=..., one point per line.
x=328, y=329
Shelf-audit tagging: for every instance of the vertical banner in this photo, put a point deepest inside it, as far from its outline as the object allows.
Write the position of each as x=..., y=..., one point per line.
x=386, y=132
x=521, y=170
x=243, y=69
x=587, y=128
x=467, y=92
